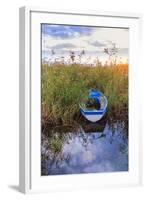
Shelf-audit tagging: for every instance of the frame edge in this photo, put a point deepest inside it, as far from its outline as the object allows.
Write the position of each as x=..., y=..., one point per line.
x=24, y=101
x=21, y=99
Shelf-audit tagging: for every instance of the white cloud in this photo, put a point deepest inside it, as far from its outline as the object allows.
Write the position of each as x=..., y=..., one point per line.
x=115, y=35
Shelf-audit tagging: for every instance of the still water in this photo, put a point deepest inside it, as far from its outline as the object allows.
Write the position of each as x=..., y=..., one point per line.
x=77, y=152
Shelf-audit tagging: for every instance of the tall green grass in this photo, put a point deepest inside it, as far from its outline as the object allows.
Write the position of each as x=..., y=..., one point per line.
x=63, y=87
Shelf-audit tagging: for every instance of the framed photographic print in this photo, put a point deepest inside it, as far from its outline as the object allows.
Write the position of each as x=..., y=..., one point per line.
x=79, y=97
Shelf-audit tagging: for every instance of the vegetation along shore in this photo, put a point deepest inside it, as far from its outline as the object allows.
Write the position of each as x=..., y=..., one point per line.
x=63, y=86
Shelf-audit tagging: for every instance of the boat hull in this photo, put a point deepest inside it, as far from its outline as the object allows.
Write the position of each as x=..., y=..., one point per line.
x=92, y=116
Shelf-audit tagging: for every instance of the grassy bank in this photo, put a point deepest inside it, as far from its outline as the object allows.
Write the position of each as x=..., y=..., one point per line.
x=63, y=87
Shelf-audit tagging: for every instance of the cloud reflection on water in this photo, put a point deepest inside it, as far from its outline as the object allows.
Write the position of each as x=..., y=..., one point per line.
x=89, y=153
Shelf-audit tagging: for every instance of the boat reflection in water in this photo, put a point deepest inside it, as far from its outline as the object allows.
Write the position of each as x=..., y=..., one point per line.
x=91, y=148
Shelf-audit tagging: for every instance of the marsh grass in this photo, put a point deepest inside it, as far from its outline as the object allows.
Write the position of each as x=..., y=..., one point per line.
x=63, y=87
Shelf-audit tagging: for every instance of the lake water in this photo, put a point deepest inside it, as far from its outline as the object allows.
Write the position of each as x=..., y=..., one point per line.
x=105, y=150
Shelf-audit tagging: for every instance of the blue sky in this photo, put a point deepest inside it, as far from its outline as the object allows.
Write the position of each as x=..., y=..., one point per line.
x=63, y=31
x=63, y=38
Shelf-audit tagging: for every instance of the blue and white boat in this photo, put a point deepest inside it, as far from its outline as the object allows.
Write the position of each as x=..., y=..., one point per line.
x=94, y=107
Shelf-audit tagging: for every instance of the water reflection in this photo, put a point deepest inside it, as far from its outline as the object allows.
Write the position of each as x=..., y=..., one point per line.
x=85, y=152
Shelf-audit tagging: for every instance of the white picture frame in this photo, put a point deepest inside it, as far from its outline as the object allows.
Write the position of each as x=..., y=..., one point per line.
x=30, y=178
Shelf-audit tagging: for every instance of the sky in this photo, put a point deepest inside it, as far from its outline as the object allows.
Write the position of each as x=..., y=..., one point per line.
x=65, y=38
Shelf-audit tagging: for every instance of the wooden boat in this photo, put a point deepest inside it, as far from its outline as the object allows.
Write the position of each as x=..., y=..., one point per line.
x=94, y=106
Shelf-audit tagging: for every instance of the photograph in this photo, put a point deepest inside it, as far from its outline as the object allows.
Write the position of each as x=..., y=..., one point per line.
x=84, y=99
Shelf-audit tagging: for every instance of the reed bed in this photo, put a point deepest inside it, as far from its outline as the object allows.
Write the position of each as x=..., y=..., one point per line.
x=63, y=87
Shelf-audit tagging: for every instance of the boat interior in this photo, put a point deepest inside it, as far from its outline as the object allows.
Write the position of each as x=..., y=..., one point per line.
x=94, y=104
